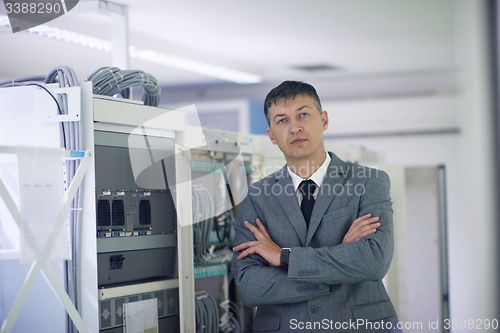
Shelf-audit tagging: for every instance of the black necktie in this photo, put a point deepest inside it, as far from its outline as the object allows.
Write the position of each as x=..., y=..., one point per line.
x=307, y=188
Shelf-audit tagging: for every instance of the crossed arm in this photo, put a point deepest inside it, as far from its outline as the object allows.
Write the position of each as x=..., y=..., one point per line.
x=365, y=254
x=260, y=284
x=270, y=251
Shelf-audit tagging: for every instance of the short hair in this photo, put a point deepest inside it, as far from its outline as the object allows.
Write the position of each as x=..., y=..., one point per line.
x=289, y=90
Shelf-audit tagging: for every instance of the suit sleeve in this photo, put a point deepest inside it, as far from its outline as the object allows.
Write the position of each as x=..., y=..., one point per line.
x=257, y=282
x=367, y=259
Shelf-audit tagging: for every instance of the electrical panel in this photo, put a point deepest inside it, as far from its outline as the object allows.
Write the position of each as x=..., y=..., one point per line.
x=135, y=224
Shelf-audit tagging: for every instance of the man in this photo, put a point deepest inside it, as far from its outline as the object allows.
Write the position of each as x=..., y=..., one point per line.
x=314, y=240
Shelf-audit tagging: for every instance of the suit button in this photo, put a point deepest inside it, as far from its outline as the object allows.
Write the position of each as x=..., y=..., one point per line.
x=315, y=286
x=301, y=273
x=299, y=289
x=314, y=309
x=309, y=287
x=316, y=272
x=306, y=273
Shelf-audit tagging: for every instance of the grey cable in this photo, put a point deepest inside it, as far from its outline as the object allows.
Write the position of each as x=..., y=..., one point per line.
x=66, y=77
x=109, y=81
x=12, y=83
x=202, y=211
x=228, y=321
x=207, y=313
x=208, y=318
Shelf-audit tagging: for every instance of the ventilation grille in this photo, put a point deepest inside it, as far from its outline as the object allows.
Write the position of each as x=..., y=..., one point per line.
x=316, y=68
x=144, y=212
x=111, y=311
x=118, y=212
x=103, y=213
x=106, y=313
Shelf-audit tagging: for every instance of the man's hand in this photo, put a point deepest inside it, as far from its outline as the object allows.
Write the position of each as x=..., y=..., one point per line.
x=263, y=246
x=361, y=227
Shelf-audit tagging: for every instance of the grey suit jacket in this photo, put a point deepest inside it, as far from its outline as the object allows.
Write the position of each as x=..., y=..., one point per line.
x=329, y=286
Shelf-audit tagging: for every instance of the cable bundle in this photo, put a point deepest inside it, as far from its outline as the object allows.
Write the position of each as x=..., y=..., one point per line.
x=203, y=208
x=109, y=81
x=66, y=77
x=204, y=249
x=22, y=81
x=228, y=322
x=223, y=224
x=207, y=313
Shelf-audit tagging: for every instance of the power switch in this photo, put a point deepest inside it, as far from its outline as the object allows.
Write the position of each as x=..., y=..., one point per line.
x=116, y=262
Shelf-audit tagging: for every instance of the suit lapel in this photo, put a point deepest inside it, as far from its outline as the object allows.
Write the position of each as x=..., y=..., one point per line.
x=332, y=184
x=285, y=195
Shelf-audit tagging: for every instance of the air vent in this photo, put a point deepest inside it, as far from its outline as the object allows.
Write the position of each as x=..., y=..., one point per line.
x=118, y=213
x=144, y=212
x=105, y=311
x=317, y=68
x=103, y=213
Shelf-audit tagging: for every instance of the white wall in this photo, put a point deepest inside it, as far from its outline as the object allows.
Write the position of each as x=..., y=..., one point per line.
x=381, y=116
x=425, y=150
x=470, y=210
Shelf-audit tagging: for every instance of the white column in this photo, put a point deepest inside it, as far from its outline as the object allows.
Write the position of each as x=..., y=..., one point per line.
x=120, y=39
x=472, y=250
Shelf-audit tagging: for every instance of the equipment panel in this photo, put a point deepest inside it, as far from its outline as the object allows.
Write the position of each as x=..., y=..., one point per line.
x=135, y=213
x=124, y=208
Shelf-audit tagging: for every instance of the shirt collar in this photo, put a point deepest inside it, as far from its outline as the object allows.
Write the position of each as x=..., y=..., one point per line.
x=317, y=177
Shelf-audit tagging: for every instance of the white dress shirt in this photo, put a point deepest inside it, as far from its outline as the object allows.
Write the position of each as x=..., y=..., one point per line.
x=316, y=177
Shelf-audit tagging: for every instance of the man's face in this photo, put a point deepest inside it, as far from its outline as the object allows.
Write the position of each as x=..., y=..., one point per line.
x=297, y=126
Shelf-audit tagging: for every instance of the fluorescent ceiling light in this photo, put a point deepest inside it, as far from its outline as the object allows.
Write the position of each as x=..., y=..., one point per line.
x=65, y=35
x=194, y=66
x=146, y=55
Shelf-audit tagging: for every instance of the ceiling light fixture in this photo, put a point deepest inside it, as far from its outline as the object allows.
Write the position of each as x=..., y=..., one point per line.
x=146, y=55
x=194, y=66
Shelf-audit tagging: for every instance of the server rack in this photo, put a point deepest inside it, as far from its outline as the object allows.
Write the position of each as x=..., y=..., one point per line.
x=136, y=218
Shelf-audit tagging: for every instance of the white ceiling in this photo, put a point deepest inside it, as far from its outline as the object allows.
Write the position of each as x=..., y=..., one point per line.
x=264, y=37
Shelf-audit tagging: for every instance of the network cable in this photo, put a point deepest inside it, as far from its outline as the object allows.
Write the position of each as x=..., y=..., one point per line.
x=223, y=224
x=71, y=131
x=229, y=319
x=20, y=81
x=203, y=212
x=110, y=81
x=206, y=313
x=205, y=252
